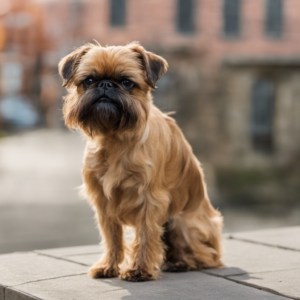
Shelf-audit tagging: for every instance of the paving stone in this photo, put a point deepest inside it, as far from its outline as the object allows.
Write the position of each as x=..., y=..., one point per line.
x=243, y=257
x=19, y=268
x=18, y=295
x=283, y=282
x=87, y=259
x=191, y=285
x=259, y=268
x=74, y=251
x=287, y=237
x=69, y=251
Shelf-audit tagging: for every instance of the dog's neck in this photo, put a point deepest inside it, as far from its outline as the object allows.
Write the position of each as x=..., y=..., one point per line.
x=126, y=139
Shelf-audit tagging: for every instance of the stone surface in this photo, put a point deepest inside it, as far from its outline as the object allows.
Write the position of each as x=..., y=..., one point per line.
x=191, y=285
x=243, y=257
x=287, y=237
x=20, y=268
x=284, y=282
x=70, y=251
x=87, y=259
x=83, y=254
x=254, y=271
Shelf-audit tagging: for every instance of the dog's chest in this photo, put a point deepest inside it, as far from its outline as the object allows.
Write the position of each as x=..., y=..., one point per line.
x=119, y=174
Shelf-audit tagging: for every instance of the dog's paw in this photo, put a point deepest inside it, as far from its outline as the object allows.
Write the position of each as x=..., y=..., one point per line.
x=103, y=272
x=175, y=267
x=136, y=275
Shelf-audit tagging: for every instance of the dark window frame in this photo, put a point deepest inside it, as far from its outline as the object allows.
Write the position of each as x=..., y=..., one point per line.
x=186, y=16
x=118, y=13
x=232, y=18
x=274, y=18
x=262, y=114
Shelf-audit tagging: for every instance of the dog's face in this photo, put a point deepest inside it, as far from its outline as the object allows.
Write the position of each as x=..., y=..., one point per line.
x=109, y=87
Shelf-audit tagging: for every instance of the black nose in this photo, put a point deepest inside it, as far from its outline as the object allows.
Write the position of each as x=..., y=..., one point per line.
x=105, y=84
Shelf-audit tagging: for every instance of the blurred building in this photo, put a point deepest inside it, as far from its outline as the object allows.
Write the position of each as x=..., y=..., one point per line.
x=234, y=65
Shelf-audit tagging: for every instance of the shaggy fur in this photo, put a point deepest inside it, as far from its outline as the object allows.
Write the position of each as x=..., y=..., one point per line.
x=139, y=170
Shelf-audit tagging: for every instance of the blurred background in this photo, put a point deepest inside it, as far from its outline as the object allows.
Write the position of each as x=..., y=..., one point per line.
x=234, y=82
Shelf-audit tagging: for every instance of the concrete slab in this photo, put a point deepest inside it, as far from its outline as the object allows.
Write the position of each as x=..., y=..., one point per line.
x=191, y=285
x=83, y=254
x=20, y=268
x=87, y=259
x=286, y=282
x=70, y=251
x=243, y=257
x=286, y=237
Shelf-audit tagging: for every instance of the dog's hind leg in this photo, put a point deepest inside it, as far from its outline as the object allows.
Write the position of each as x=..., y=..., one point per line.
x=177, y=249
x=193, y=240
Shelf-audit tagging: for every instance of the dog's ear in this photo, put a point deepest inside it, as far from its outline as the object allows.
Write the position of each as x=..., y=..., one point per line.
x=68, y=65
x=155, y=66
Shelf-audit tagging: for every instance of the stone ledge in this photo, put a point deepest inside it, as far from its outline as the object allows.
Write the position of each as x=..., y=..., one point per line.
x=285, y=238
x=260, y=265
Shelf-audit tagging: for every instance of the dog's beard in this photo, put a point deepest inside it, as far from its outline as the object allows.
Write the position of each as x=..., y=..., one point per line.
x=97, y=113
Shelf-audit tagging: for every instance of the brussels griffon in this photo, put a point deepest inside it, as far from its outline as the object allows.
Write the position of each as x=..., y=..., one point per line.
x=139, y=170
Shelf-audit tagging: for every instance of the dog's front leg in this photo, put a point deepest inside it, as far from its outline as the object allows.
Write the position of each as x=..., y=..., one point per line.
x=112, y=233
x=147, y=251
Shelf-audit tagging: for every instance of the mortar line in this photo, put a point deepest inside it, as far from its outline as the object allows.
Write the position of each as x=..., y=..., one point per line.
x=21, y=293
x=62, y=258
x=251, y=273
x=260, y=272
x=45, y=279
x=271, y=291
x=81, y=254
x=69, y=255
x=257, y=287
x=117, y=289
x=261, y=243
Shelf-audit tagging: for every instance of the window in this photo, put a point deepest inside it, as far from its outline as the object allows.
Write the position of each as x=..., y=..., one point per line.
x=185, y=16
x=117, y=12
x=76, y=12
x=262, y=115
x=273, y=23
x=231, y=17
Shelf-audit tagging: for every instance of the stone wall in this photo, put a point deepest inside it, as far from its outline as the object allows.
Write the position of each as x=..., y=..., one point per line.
x=213, y=108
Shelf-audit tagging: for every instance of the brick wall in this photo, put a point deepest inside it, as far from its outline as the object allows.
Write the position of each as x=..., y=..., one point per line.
x=153, y=22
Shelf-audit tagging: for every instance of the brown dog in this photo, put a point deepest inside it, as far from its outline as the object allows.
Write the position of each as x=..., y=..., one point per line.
x=139, y=170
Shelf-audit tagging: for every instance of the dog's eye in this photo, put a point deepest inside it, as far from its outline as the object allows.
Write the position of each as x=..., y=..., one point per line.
x=127, y=84
x=89, y=81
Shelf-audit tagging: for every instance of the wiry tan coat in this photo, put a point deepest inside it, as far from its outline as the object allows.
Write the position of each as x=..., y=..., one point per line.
x=144, y=176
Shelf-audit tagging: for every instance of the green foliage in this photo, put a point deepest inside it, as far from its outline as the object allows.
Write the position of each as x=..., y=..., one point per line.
x=274, y=187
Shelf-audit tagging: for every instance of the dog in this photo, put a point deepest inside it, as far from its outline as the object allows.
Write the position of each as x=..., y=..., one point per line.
x=139, y=170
